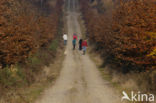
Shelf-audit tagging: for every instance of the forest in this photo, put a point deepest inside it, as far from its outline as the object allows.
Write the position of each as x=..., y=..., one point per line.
x=26, y=26
x=32, y=54
x=124, y=30
x=28, y=39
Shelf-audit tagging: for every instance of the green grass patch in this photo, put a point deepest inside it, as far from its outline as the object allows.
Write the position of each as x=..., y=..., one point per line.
x=106, y=76
x=54, y=45
x=34, y=60
x=12, y=76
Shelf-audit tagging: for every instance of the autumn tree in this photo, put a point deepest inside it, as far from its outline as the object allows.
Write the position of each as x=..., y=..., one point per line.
x=24, y=29
x=126, y=34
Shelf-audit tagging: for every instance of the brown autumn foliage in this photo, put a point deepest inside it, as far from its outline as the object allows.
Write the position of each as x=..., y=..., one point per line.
x=24, y=29
x=136, y=20
x=128, y=35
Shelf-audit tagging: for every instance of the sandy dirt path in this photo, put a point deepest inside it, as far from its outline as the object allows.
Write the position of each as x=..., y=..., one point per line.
x=79, y=80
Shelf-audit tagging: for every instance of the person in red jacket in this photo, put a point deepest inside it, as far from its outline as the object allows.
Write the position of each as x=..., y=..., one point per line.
x=74, y=36
x=84, y=46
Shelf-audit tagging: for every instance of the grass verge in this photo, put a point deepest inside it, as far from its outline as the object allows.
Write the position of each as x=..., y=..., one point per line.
x=132, y=81
x=23, y=84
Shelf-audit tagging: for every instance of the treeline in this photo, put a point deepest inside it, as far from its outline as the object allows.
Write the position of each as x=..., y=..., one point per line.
x=24, y=29
x=125, y=34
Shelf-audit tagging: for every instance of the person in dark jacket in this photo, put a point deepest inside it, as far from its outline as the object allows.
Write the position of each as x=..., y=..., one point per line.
x=80, y=44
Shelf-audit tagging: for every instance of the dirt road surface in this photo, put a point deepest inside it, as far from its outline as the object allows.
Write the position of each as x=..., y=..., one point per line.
x=79, y=80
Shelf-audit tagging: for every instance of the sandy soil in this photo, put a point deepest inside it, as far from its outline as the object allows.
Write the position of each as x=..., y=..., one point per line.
x=79, y=80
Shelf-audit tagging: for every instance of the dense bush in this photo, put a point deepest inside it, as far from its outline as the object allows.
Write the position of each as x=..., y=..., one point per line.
x=24, y=29
x=127, y=34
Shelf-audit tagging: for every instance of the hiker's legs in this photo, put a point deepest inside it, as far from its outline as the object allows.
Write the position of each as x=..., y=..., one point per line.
x=74, y=46
x=84, y=50
x=65, y=42
x=80, y=47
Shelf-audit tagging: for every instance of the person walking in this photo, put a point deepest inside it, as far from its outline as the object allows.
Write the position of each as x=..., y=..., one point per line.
x=75, y=36
x=74, y=40
x=74, y=43
x=84, y=46
x=80, y=44
x=65, y=38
